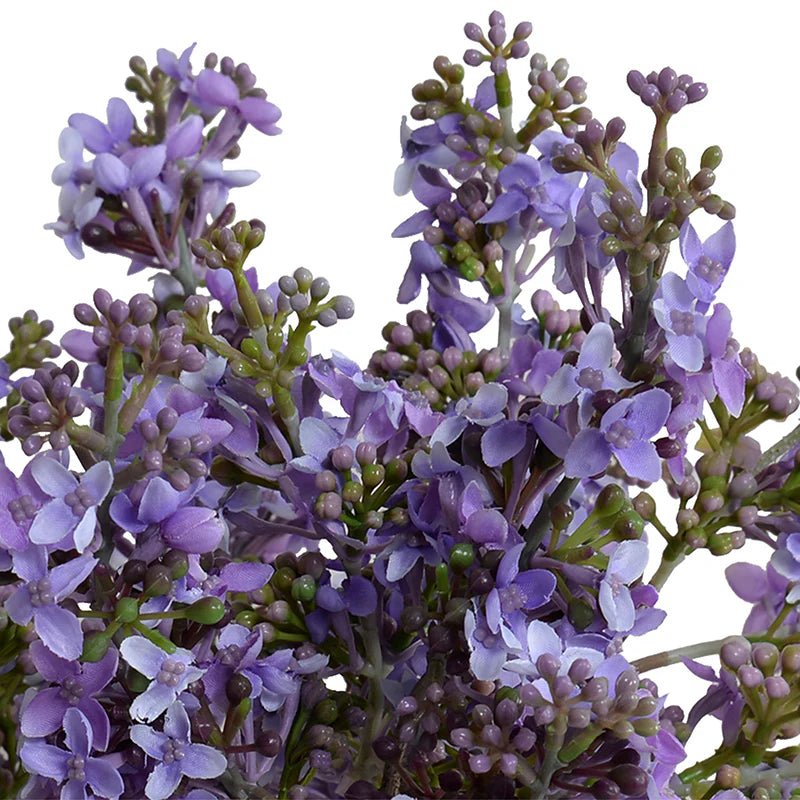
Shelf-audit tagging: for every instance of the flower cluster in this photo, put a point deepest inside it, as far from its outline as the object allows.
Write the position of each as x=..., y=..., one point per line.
x=232, y=567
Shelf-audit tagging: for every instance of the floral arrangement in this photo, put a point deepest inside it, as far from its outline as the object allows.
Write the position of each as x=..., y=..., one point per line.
x=232, y=567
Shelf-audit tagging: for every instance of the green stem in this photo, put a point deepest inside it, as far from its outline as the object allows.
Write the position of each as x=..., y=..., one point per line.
x=666, y=567
x=112, y=400
x=541, y=522
x=184, y=273
x=779, y=449
x=669, y=657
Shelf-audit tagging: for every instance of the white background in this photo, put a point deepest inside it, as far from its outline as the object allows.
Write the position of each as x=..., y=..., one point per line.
x=342, y=72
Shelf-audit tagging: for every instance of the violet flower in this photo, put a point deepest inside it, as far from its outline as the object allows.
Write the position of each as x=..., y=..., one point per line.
x=78, y=683
x=625, y=432
x=73, y=510
x=675, y=310
x=625, y=565
x=38, y=596
x=169, y=674
x=594, y=371
x=106, y=138
x=728, y=373
x=73, y=767
x=708, y=261
x=176, y=754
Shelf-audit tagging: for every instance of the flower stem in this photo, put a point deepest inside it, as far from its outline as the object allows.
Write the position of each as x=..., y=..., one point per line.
x=668, y=657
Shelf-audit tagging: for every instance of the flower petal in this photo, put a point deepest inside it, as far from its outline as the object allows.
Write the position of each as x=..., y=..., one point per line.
x=60, y=630
x=202, y=761
x=163, y=781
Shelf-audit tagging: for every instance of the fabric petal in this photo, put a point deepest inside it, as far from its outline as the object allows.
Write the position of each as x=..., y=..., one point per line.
x=103, y=778
x=502, y=441
x=537, y=586
x=640, y=460
x=98, y=480
x=202, y=761
x=60, y=630
x=505, y=206
x=214, y=87
x=588, y=454
x=44, y=713
x=44, y=759
x=176, y=723
x=163, y=781
x=110, y=174
x=151, y=741
x=598, y=347
x=52, y=523
x=748, y=581
x=143, y=655
x=65, y=578
x=628, y=560
x=153, y=702
x=542, y=639
x=95, y=135
x=562, y=387
x=78, y=732
x=486, y=664
x=53, y=478
x=84, y=533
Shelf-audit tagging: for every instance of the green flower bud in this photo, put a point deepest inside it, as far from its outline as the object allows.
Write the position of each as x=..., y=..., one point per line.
x=177, y=561
x=95, y=646
x=275, y=339
x=352, y=492
x=251, y=349
x=609, y=501
x=628, y=525
x=397, y=470
x=462, y=251
x=711, y=158
x=667, y=232
x=675, y=159
x=326, y=711
x=283, y=578
x=247, y=618
x=644, y=726
x=462, y=557
x=304, y=588
x=206, y=611
x=611, y=246
x=372, y=475
x=127, y=610
x=720, y=544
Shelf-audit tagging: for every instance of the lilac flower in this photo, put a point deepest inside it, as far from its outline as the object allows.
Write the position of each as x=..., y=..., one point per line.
x=237, y=651
x=20, y=501
x=423, y=146
x=74, y=169
x=73, y=510
x=77, y=206
x=489, y=651
x=484, y=409
x=136, y=168
x=176, y=754
x=514, y=591
x=78, y=683
x=74, y=765
x=594, y=371
x=767, y=590
x=786, y=562
x=36, y=599
x=625, y=565
x=675, y=310
x=625, y=432
x=169, y=675
x=193, y=529
x=708, y=261
x=728, y=373
x=110, y=138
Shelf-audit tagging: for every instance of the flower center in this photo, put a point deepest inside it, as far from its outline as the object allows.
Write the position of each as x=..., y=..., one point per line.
x=230, y=655
x=75, y=768
x=682, y=322
x=40, y=592
x=590, y=379
x=485, y=636
x=22, y=509
x=71, y=690
x=512, y=598
x=79, y=500
x=620, y=435
x=173, y=751
x=170, y=672
x=709, y=270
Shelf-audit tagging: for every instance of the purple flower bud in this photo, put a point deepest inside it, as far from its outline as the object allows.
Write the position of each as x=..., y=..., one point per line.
x=650, y=95
x=696, y=92
x=85, y=314
x=480, y=764
x=166, y=419
x=544, y=715
x=191, y=359
x=58, y=440
x=676, y=101
x=473, y=58
x=636, y=81
x=473, y=32
x=193, y=529
x=750, y=676
x=461, y=737
x=118, y=312
x=498, y=65
x=776, y=687
x=497, y=35
x=667, y=80
x=519, y=50
x=548, y=665
x=496, y=18
x=342, y=458
x=102, y=300
x=735, y=652
x=32, y=444
x=344, y=307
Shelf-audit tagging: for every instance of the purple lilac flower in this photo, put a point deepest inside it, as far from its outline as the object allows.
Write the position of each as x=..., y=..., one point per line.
x=484, y=409
x=37, y=597
x=594, y=371
x=20, y=501
x=625, y=565
x=514, y=591
x=527, y=197
x=708, y=261
x=106, y=138
x=728, y=373
x=169, y=674
x=72, y=513
x=786, y=562
x=767, y=590
x=489, y=651
x=77, y=206
x=722, y=699
x=237, y=651
x=78, y=683
x=176, y=754
x=625, y=432
x=675, y=310
x=73, y=767
x=423, y=146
